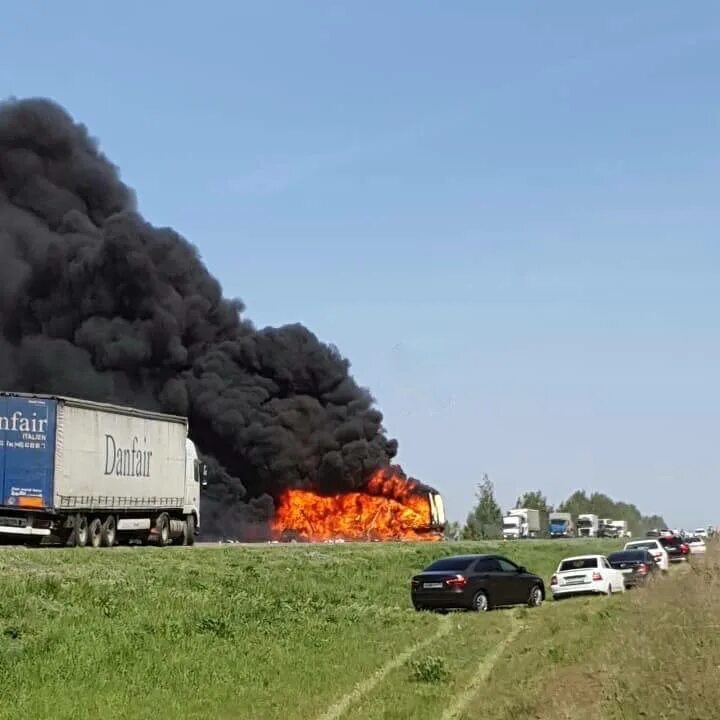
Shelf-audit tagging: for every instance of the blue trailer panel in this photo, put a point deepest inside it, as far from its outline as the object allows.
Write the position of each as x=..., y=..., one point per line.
x=27, y=451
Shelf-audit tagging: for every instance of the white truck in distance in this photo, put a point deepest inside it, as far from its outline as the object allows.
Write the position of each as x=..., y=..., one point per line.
x=588, y=525
x=85, y=473
x=621, y=527
x=521, y=523
x=607, y=528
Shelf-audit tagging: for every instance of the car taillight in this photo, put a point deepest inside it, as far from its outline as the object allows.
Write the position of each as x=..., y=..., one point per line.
x=458, y=581
x=642, y=568
x=554, y=580
x=597, y=576
x=684, y=549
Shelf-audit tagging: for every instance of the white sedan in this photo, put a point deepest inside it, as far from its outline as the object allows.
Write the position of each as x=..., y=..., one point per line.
x=586, y=574
x=696, y=545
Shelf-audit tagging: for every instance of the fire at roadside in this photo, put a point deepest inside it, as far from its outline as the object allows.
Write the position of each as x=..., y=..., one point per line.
x=391, y=508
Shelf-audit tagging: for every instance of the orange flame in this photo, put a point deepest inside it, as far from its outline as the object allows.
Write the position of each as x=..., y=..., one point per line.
x=391, y=508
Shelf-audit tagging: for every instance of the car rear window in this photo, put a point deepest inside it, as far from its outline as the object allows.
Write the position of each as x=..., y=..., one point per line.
x=449, y=564
x=627, y=556
x=649, y=544
x=578, y=564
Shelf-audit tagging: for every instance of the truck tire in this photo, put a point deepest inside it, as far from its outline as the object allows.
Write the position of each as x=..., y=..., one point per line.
x=79, y=534
x=189, y=535
x=95, y=532
x=109, y=531
x=163, y=530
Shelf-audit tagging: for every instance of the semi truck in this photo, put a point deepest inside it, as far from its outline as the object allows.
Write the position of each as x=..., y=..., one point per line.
x=521, y=523
x=621, y=527
x=561, y=525
x=588, y=525
x=87, y=473
x=607, y=528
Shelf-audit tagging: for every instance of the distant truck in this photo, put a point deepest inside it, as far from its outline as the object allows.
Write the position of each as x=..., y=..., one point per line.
x=607, y=528
x=85, y=473
x=621, y=527
x=588, y=525
x=521, y=523
x=561, y=525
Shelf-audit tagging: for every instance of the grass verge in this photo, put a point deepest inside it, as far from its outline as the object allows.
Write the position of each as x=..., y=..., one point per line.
x=261, y=633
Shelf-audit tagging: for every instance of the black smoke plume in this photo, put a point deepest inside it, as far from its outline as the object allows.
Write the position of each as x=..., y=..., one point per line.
x=97, y=303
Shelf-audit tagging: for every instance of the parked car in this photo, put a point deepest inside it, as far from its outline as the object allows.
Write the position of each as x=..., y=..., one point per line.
x=696, y=545
x=676, y=548
x=637, y=566
x=656, y=548
x=586, y=574
x=475, y=582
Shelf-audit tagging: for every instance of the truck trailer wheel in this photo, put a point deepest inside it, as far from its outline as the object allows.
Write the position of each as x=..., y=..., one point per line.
x=162, y=530
x=95, y=532
x=79, y=534
x=109, y=531
x=189, y=534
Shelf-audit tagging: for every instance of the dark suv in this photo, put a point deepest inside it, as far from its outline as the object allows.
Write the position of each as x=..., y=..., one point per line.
x=677, y=549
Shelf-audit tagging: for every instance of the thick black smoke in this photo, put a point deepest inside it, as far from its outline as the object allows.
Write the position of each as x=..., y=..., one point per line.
x=97, y=303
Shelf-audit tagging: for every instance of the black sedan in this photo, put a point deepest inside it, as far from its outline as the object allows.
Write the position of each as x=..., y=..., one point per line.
x=637, y=566
x=676, y=547
x=475, y=582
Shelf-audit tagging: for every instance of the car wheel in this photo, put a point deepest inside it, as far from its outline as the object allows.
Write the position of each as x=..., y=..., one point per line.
x=480, y=602
x=609, y=590
x=536, y=596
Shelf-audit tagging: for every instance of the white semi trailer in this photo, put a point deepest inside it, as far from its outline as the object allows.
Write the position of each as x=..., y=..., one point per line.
x=87, y=473
x=521, y=523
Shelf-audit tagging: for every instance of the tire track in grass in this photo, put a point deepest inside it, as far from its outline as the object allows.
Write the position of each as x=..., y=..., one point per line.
x=339, y=708
x=481, y=675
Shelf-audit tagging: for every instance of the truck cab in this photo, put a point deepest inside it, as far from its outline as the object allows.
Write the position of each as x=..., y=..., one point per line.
x=587, y=525
x=560, y=525
x=607, y=528
x=195, y=478
x=512, y=527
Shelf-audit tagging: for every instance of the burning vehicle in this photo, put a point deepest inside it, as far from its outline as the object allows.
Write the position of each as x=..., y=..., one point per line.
x=392, y=507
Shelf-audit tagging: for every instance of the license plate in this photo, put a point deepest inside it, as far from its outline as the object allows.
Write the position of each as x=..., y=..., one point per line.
x=574, y=582
x=432, y=586
x=627, y=572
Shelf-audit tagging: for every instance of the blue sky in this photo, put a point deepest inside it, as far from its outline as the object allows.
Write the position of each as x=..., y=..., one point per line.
x=504, y=214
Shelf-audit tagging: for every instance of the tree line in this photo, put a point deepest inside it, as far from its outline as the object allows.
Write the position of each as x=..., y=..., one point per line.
x=484, y=522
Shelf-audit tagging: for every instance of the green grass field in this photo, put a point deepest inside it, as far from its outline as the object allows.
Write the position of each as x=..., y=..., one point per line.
x=328, y=632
